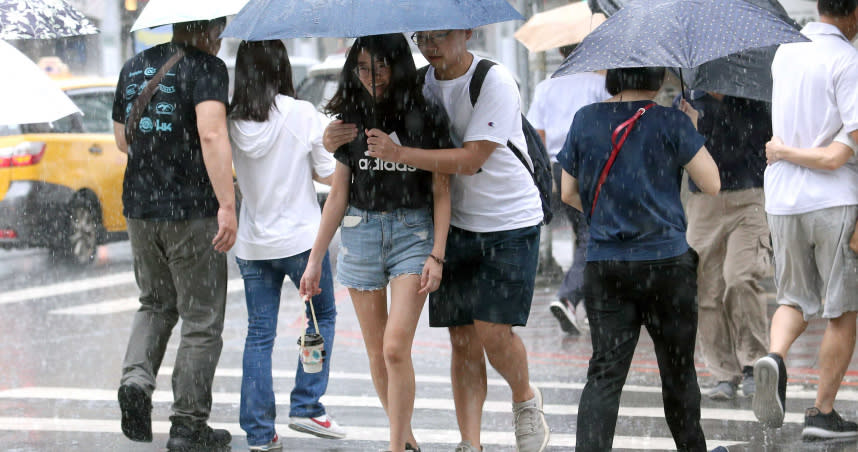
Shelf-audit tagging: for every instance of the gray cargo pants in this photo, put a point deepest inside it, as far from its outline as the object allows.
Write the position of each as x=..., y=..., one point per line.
x=180, y=275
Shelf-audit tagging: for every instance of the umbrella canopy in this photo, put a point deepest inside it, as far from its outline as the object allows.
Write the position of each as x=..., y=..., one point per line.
x=677, y=33
x=28, y=94
x=42, y=19
x=164, y=12
x=558, y=27
x=283, y=19
x=745, y=74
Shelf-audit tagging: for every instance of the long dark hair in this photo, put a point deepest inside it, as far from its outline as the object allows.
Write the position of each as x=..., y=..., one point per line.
x=262, y=71
x=404, y=90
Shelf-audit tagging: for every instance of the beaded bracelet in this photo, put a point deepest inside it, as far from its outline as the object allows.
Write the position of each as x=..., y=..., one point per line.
x=437, y=259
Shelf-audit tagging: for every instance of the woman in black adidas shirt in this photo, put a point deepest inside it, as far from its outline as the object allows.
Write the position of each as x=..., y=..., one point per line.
x=386, y=210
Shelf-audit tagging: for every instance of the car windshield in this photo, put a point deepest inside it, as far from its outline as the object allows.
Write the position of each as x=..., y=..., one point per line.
x=68, y=124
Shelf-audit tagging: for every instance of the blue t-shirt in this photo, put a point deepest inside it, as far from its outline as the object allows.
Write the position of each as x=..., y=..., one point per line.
x=638, y=215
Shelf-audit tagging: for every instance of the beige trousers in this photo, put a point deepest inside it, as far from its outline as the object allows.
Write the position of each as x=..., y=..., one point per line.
x=730, y=233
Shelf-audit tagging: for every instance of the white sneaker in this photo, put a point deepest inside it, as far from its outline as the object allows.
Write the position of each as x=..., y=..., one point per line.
x=531, y=430
x=565, y=314
x=466, y=446
x=322, y=426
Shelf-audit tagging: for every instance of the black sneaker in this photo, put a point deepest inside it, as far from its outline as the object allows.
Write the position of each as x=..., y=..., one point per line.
x=770, y=378
x=136, y=407
x=196, y=437
x=818, y=426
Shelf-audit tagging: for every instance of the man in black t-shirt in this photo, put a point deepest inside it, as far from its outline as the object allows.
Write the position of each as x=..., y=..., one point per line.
x=731, y=235
x=179, y=201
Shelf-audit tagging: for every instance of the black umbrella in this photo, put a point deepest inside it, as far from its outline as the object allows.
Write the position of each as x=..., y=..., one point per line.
x=745, y=74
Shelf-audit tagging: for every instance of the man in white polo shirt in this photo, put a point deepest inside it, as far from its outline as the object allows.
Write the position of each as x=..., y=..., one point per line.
x=812, y=206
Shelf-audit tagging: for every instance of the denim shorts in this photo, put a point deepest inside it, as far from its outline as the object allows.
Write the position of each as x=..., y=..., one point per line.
x=489, y=276
x=379, y=246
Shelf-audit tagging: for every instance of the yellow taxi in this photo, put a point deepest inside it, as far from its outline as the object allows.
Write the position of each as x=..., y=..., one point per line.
x=61, y=183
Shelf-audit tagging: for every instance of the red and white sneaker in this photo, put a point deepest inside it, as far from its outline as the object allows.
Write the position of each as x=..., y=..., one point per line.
x=322, y=426
x=275, y=444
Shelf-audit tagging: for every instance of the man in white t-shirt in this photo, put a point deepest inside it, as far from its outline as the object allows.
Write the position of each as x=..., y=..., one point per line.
x=812, y=206
x=493, y=246
x=555, y=102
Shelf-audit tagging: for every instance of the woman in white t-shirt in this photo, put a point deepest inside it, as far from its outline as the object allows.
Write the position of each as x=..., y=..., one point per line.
x=277, y=153
x=394, y=217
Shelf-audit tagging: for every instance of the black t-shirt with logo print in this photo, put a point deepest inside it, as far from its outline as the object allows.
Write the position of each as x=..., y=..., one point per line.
x=377, y=185
x=166, y=178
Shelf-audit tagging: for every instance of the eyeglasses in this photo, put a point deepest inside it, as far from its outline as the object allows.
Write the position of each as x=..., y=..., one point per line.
x=438, y=37
x=363, y=71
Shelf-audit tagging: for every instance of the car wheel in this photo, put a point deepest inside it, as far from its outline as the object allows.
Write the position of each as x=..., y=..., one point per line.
x=80, y=239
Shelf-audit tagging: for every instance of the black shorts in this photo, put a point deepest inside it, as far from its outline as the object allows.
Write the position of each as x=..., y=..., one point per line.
x=488, y=276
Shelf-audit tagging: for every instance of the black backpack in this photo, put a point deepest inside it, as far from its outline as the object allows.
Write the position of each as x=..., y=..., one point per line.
x=541, y=171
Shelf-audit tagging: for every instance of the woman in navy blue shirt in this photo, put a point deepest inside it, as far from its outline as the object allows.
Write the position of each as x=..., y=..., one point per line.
x=640, y=270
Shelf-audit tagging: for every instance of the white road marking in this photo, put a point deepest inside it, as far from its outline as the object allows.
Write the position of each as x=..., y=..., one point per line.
x=126, y=304
x=354, y=433
x=63, y=288
x=234, y=372
x=233, y=398
x=793, y=391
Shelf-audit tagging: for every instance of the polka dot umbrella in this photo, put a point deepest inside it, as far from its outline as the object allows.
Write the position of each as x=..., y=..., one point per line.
x=678, y=33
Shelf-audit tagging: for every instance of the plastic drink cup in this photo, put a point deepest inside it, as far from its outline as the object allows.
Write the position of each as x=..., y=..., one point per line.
x=312, y=352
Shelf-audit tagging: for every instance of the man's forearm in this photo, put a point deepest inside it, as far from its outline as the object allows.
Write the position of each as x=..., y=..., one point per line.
x=815, y=158
x=217, y=155
x=444, y=161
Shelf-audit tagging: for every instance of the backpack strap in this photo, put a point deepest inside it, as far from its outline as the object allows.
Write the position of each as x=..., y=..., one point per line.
x=145, y=97
x=479, y=77
x=474, y=88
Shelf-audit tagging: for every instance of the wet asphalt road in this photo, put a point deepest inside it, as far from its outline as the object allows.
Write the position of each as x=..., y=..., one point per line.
x=64, y=329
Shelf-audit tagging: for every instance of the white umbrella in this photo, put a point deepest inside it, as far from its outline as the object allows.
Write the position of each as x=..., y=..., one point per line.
x=558, y=27
x=29, y=95
x=164, y=12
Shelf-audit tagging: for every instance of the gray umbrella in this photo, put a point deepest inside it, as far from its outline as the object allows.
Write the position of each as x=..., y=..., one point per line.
x=42, y=19
x=677, y=33
x=745, y=74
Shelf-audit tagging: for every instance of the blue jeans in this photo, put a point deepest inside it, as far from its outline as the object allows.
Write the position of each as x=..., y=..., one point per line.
x=379, y=246
x=263, y=280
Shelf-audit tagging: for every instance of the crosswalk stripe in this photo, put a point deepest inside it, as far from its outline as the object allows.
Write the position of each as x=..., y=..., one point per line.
x=793, y=392
x=371, y=401
x=64, y=288
x=126, y=304
x=354, y=433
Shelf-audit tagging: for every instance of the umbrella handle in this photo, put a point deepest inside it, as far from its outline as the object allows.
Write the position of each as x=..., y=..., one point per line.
x=681, y=84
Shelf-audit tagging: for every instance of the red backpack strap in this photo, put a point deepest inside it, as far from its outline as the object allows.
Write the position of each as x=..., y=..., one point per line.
x=623, y=128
